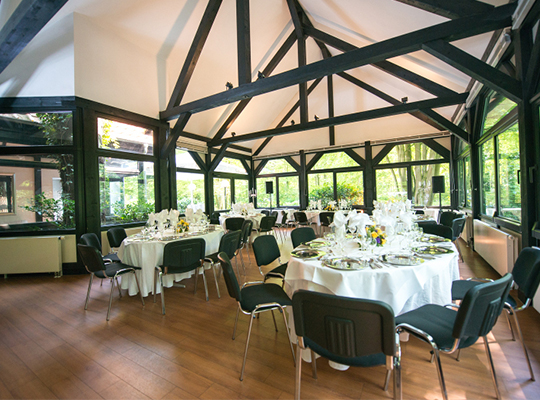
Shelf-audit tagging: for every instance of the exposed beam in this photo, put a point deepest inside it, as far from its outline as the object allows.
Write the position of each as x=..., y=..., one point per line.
x=331, y=114
x=199, y=161
x=296, y=15
x=451, y=30
x=243, y=41
x=194, y=52
x=293, y=163
x=475, y=68
x=450, y=9
x=285, y=47
x=354, y=117
x=383, y=153
x=207, y=140
x=355, y=156
x=437, y=147
x=23, y=25
x=217, y=158
x=313, y=161
x=533, y=69
x=260, y=167
x=262, y=146
x=174, y=134
x=246, y=166
x=438, y=118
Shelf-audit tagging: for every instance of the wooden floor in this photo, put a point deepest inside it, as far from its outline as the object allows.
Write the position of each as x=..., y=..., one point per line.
x=51, y=348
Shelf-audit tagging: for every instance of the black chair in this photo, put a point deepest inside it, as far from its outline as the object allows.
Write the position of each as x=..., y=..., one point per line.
x=267, y=224
x=247, y=228
x=448, y=330
x=419, y=212
x=228, y=244
x=439, y=230
x=91, y=239
x=266, y=251
x=116, y=236
x=214, y=218
x=356, y=332
x=526, y=273
x=326, y=218
x=93, y=262
x=457, y=228
x=446, y=218
x=234, y=223
x=254, y=298
x=301, y=235
x=301, y=218
x=179, y=257
x=265, y=212
x=273, y=214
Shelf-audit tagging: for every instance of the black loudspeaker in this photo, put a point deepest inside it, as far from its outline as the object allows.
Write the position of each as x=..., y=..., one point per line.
x=437, y=184
x=269, y=187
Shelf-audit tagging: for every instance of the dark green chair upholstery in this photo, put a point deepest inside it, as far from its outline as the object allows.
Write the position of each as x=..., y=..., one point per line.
x=301, y=235
x=301, y=218
x=448, y=330
x=254, y=298
x=228, y=244
x=234, y=223
x=179, y=257
x=266, y=251
x=350, y=331
x=439, y=230
x=91, y=239
x=93, y=262
x=526, y=273
x=447, y=217
x=247, y=228
x=116, y=236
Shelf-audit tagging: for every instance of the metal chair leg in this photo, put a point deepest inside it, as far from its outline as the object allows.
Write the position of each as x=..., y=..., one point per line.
x=458, y=354
x=398, y=392
x=156, y=277
x=274, y=318
x=138, y=287
x=118, y=286
x=88, y=293
x=298, y=375
x=216, y=280
x=289, y=336
x=247, y=345
x=204, y=282
x=440, y=371
x=492, y=368
x=508, y=312
x=162, y=292
x=313, y=364
x=110, y=299
x=520, y=334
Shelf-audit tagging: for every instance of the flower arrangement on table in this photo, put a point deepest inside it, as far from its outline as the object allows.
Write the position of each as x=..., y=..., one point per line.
x=182, y=226
x=329, y=207
x=378, y=237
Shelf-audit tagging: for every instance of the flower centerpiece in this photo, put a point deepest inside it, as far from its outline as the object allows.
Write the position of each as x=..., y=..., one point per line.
x=377, y=236
x=182, y=226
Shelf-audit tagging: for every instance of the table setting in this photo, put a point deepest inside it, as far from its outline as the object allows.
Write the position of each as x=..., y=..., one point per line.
x=244, y=210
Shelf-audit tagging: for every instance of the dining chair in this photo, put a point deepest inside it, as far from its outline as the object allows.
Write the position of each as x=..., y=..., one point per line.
x=254, y=298
x=349, y=331
x=301, y=218
x=446, y=218
x=267, y=225
x=448, y=330
x=228, y=244
x=439, y=230
x=179, y=257
x=94, y=264
x=116, y=236
x=265, y=212
x=458, y=225
x=214, y=218
x=91, y=239
x=234, y=223
x=266, y=251
x=247, y=228
x=301, y=235
x=326, y=218
x=526, y=273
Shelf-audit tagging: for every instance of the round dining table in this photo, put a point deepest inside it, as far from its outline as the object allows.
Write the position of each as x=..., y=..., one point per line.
x=147, y=253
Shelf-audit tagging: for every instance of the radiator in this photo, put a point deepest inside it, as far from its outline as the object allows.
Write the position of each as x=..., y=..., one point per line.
x=498, y=248
x=26, y=255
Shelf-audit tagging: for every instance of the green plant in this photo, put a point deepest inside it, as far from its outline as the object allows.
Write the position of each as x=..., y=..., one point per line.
x=133, y=212
x=61, y=211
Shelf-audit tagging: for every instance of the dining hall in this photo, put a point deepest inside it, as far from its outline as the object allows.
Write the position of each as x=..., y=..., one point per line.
x=231, y=199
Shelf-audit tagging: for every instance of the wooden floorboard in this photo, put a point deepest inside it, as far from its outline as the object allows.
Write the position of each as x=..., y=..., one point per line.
x=51, y=348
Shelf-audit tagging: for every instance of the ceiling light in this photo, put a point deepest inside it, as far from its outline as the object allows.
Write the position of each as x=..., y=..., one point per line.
x=229, y=85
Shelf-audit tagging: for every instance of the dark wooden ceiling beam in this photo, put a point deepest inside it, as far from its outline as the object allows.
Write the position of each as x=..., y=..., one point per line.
x=475, y=68
x=450, y=8
x=198, y=160
x=355, y=156
x=243, y=41
x=296, y=16
x=23, y=25
x=383, y=153
x=452, y=30
x=194, y=52
x=447, y=124
x=283, y=50
x=217, y=158
x=437, y=147
x=354, y=117
x=174, y=134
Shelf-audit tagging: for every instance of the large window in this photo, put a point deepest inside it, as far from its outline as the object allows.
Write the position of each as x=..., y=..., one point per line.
x=487, y=174
x=508, y=162
x=265, y=199
x=391, y=184
x=241, y=191
x=288, y=191
x=189, y=190
x=285, y=184
x=321, y=187
x=37, y=129
x=6, y=194
x=422, y=192
x=119, y=136
x=222, y=194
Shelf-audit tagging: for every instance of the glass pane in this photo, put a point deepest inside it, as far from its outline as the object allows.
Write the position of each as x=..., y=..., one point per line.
x=42, y=192
x=126, y=190
x=222, y=194
x=421, y=185
x=241, y=191
x=410, y=152
x=321, y=187
x=508, y=147
x=288, y=191
x=487, y=168
x=184, y=160
x=189, y=190
x=124, y=137
x=263, y=199
x=335, y=160
x=391, y=184
x=461, y=182
x=468, y=182
x=232, y=166
x=497, y=108
x=277, y=166
x=39, y=129
x=350, y=187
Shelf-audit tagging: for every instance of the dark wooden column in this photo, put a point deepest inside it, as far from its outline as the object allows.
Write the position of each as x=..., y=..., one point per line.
x=92, y=211
x=302, y=178
x=369, y=178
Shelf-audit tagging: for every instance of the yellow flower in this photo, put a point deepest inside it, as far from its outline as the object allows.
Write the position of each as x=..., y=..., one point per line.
x=374, y=235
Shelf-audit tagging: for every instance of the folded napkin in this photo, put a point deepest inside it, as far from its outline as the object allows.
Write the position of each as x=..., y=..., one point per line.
x=358, y=221
x=151, y=219
x=189, y=214
x=173, y=217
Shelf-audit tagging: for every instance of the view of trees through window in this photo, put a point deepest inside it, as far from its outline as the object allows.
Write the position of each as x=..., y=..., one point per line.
x=285, y=184
x=189, y=190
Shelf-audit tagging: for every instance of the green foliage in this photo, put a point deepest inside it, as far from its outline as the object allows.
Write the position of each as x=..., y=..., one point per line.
x=132, y=212
x=325, y=193
x=58, y=211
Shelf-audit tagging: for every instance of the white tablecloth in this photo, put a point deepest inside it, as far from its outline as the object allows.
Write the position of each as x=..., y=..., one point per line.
x=147, y=254
x=255, y=218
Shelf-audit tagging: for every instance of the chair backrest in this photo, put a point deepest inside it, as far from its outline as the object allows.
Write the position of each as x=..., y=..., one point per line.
x=266, y=249
x=439, y=230
x=246, y=231
x=91, y=258
x=300, y=216
x=267, y=223
x=343, y=329
x=265, y=212
x=230, y=242
x=234, y=223
x=419, y=212
x=481, y=307
x=326, y=218
x=214, y=218
x=115, y=236
x=230, y=278
x=301, y=235
x=526, y=271
x=91, y=239
x=274, y=214
x=185, y=254
x=457, y=226
x=447, y=217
